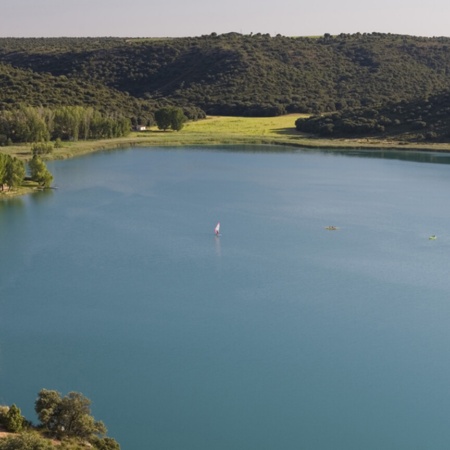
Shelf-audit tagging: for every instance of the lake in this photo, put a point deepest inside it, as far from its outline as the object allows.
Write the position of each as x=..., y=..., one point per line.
x=279, y=334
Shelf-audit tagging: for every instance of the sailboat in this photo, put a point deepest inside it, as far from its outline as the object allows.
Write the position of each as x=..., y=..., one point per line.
x=217, y=229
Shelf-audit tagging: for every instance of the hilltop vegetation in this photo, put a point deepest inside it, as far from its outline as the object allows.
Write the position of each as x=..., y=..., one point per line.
x=65, y=422
x=231, y=74
x=420, y=120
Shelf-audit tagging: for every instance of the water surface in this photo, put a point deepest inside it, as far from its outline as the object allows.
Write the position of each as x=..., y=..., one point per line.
x=277, y=335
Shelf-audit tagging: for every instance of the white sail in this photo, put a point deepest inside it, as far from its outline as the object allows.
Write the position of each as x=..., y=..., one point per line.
x=217, y=229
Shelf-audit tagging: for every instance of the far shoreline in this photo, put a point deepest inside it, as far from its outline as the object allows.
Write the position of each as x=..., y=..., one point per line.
x=222, y=130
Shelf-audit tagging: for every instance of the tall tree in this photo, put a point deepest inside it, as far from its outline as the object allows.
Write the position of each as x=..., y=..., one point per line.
x=177, y=119
x=163, y=118
x=15, y=172
x=39, y=172
x=173, y=118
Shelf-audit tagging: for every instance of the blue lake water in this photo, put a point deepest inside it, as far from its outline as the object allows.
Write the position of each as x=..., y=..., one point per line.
x=279, y=334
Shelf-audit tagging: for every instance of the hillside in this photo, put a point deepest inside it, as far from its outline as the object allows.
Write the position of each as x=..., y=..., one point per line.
x=253, y=75
x=25, y=87
x=420, y=120
x=375, y=84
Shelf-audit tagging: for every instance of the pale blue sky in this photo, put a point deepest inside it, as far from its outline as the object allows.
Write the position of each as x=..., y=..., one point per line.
x=152, y=18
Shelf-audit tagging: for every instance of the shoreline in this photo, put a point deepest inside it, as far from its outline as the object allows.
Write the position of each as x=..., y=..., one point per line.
x=222, y=130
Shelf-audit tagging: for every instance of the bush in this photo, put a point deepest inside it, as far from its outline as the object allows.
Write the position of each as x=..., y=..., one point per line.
x=14, y=421
x=26, y=441
x=42, y=148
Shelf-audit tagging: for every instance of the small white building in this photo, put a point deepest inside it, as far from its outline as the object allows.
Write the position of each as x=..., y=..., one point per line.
x=140, y=128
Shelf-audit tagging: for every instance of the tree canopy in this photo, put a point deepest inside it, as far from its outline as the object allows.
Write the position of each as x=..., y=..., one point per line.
x=12, y=171
x=419, y=120
x=67, y=416
x=39, y=172
x=172, y=118
x=228, y=74
x=82, y=88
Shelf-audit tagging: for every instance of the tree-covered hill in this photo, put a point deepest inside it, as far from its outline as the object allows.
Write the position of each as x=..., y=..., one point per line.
x=418, y=120
x=244, y=74
x=25, y=87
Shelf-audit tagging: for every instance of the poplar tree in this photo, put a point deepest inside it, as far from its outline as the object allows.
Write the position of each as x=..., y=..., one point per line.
x=39, y=172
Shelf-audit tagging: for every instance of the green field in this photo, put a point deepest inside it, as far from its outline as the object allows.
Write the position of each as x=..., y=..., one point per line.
x=223, y=131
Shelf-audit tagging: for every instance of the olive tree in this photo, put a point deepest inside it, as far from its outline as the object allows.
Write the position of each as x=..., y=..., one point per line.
x=67, y=416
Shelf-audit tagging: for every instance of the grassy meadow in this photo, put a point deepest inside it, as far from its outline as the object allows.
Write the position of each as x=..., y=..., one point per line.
x=223, y=131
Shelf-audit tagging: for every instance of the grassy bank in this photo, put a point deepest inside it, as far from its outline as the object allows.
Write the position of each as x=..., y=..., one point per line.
x=215, y=131
x=226, y=130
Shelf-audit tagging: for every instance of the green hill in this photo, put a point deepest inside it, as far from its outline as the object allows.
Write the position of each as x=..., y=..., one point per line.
x=234, y=74
x=419, y=120
x=25, y=87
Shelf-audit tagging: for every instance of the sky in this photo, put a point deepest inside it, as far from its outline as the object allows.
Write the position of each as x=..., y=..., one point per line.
x=182, y=18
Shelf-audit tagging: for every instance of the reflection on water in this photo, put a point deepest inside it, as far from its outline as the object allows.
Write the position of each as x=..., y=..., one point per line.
x=40, y=197
x=10, y=207
x=436, y=157
x=411, y=156
x=217, y=246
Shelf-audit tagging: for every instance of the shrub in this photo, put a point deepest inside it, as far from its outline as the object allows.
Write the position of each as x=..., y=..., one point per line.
x=42, y=148
x=14, y=421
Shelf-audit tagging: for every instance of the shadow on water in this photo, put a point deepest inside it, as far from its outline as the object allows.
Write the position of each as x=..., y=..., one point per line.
x=405, y=155
x=41, y=196
x=10, y=202
x=392, y=154
x=10, y=207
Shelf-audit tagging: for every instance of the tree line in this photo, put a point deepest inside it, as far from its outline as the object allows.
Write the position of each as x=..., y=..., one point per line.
x=31, y=124
x=65, y=418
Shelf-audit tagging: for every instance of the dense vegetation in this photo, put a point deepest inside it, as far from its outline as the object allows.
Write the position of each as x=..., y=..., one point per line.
x=232, y=74
x=12, y=172
x=32, y=124
x=420, y=120
x=67, y=419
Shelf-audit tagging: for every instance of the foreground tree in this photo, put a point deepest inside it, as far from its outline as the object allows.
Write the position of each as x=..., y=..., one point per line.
x=13, y=420
x=68, y=416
